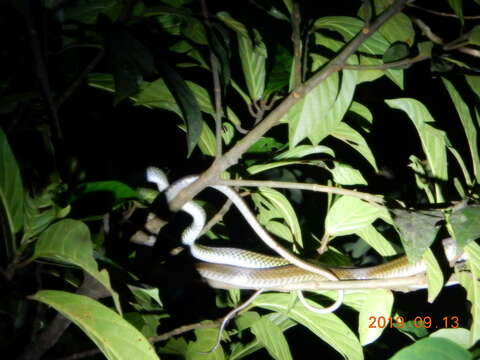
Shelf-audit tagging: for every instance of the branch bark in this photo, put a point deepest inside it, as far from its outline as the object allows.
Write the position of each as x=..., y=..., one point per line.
x=210, y=176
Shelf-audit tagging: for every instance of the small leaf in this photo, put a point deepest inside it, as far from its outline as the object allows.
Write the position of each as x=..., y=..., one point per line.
x=433, y=348
x=377, y=306
x=465, y=225
x=272, y=338
x=418, y=229
x=115, y=337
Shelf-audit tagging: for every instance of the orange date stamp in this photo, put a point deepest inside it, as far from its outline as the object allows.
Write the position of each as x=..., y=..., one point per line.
x=426, y=322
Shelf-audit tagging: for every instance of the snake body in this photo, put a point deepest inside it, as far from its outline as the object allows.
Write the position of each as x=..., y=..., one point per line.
x=236, y=268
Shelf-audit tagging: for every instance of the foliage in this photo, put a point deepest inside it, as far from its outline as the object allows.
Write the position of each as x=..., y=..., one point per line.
x=378, y=108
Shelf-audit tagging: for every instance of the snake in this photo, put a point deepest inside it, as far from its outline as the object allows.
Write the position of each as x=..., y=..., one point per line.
x=227, y=268
x=243, y=259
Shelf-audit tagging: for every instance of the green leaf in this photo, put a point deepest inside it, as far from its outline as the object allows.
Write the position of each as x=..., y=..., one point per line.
x=303, y=118
x=464, y=224
x=474, y=83
x=302, y=151
x=433, y=348
x=195, y=31
x=253, y=55
x=467, y=123
x=377, y=306
x=265, y=145
x=353, y=138
x=11, y=188
x=349, y=27
x=472, y=286
x=396, y=52
x=398, y=28
x=418, y=229
x=459, y=336
x=474, y=37
x=434, y=141
x=327, y=327
x=273, y=205
x=69, y=241
x=115, y=337
x=239, y=351
x=349, y=214
x=362, y=111
x=457, y=7
x=271, y=336
x=376, y=240
x=205, y=340
x=120, y=191
x=344, y=174
x=187, y=103
x=434, y=275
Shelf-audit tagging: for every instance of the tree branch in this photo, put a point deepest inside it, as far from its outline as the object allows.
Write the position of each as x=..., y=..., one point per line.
x=217, y=90
x=392, y=65
x=231, y=157
x=303, y=186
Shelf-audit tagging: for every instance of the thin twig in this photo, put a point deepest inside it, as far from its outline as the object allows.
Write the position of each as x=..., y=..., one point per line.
x=469, y=51
x=304, y=186
x=297, y=44
x=231, y=157
x=427, y=31
x=217, y=89
x=392, y=65
x=439, y=13
x=79, y=79
x=217, y=217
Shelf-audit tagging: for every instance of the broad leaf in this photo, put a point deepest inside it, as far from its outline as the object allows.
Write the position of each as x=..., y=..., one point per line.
x=376, y=240
x=114, y=336
x=433, y=348
x=465, y=224
x=434, y=275
x=327, y=327
x=253, y=55
x=418, y=229
x=272, y=337
x=187, y=103
x=11, y=188
x=69, y=241
x=348, y=214
x=433, y=140
x=376, y=308
x=353, y=138
x=467, y=123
